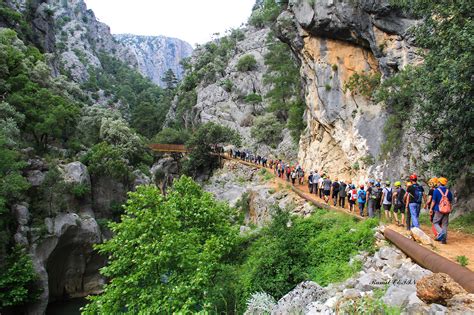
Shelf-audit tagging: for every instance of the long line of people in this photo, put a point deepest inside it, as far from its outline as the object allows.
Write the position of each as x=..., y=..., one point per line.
x=371, y=197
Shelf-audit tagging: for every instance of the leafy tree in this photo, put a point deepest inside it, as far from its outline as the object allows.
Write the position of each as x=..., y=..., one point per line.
x=17, y=280
x=117, y=133
x=105, y=159
x=172, y=136
x=438, y=92
x=247, y=63
x=88, y=127
x=203, y=142
x=165, y=252
x=267, y=129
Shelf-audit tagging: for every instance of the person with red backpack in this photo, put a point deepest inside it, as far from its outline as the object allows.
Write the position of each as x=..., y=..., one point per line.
x=441, y=205
x=352, y=194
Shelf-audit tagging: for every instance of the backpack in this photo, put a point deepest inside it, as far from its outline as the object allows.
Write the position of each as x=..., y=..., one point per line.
x=376, y=193
x=401, y=196
x=389, y=194
x=354, y=195
x=293, y=174
x=444, y=204
x=418, y=193
x=362, y=194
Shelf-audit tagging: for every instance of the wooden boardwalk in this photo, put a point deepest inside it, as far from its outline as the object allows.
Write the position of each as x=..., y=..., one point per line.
x=169, y=148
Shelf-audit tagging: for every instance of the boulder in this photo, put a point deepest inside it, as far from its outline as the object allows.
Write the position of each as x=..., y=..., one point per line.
x=21, y=213
x=438, y=288
x=298, y=299
x=462, y=303
x=318, y=308
x=399, y=295
x=35, y=177
x=76, y=173
x=389, y=253
x=140, y=179
x=421, y=236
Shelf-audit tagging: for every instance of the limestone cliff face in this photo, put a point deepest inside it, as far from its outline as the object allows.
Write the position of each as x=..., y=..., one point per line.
x=72, y=35
x=334, y=40
x=157, y=54
x=227, y=105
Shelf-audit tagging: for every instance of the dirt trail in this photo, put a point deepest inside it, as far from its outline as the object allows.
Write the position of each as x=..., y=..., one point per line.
x=459, y=244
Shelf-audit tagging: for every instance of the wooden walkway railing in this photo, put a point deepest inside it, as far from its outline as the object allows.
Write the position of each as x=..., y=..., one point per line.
x=169, y=148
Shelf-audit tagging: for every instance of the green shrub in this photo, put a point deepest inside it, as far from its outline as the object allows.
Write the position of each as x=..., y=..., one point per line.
x=317, y=248
x=334, y=67
x=104, y=159
x=368, y=160
x=462, y=260
x=80, y=190
x=247, y=63
x=253, y=98
x=227, y=85
x=266, y=14
x=18, y=280
x=368, y=305
x=328, y=87
x=365, y=84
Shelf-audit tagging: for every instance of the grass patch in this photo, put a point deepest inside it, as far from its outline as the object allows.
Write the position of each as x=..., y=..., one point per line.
x=464, y=223
x=266, y=175
x=293, y=249
x=462, y=260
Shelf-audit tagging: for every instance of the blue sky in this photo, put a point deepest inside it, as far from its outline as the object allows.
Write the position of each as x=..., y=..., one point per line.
x=194, y=21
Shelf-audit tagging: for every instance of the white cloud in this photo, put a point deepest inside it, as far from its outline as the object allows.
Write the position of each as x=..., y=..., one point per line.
x=191, y=20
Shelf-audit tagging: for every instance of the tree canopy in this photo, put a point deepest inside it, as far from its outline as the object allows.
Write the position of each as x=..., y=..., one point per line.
x=165, y=252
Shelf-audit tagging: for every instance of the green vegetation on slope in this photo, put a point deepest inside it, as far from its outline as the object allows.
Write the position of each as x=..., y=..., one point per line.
x=438, y=92
x=183, y=253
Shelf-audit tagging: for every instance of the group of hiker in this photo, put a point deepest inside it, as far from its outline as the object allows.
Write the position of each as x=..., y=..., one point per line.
x=373, y=196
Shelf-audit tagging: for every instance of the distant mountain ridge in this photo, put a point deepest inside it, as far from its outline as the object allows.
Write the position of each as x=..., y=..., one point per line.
x=157, y=54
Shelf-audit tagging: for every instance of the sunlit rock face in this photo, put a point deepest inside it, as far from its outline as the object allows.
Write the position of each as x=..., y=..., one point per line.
x=335, y=40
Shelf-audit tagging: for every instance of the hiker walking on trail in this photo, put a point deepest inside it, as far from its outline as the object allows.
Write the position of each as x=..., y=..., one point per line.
x=406, y=197
x=441, y=205
x=310, y=182
x=301, y=176
x=352, y=195
x=321, y=186
x=316, y=178
x=387, y=196
x=414, y=199
x=348, y=189
x=371, y=198
x=342, y=194
x=335, y=191
x=327, y=188
x=288, y=172
x=293, y=177
x=378, y=199
x=433, y=184
x=399, y=203
x=361, y=199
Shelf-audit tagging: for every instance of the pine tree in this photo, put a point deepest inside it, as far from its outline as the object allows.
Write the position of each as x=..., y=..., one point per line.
x=170, y=79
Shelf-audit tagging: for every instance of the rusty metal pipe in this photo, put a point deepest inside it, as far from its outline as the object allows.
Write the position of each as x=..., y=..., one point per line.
x=432, y=261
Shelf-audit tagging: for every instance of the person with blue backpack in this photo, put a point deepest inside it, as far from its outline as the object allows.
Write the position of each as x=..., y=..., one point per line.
x=361, y=198
x=415, y=196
